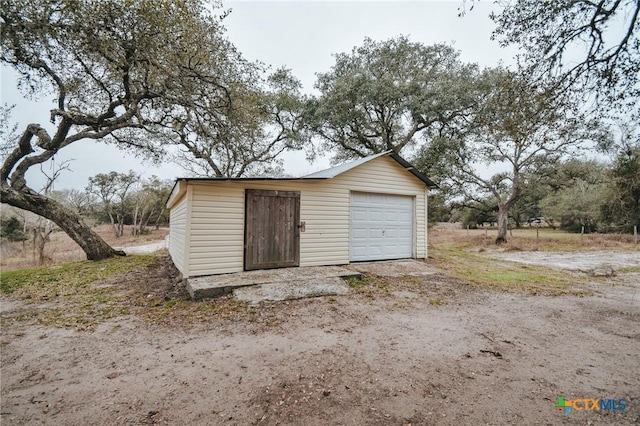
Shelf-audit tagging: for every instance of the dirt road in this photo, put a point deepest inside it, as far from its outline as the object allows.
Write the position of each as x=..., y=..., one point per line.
x=419, y=350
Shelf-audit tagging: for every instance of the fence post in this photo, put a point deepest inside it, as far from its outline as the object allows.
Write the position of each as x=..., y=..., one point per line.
x=582, y=233
x=537, y=232
x=34, y=247
x=635, y=234
x=467, y=230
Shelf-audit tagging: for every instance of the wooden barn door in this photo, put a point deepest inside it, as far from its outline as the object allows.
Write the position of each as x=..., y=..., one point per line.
x=272, y=235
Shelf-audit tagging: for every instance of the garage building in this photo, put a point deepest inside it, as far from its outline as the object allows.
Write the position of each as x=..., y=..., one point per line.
x=374, y=208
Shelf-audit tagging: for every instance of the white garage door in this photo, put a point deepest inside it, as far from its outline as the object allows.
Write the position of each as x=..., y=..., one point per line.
x=381, y=227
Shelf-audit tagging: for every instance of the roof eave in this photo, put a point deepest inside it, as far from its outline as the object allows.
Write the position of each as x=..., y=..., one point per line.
x=411, y=169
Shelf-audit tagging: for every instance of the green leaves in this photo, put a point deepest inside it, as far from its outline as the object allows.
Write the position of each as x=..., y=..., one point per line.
x=117, y=67
x=388, y=95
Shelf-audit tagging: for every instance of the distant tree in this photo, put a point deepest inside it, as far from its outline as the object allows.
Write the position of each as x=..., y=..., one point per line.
x=439, y=210
x=478, y=212
x=389, y=95
x=148, y=203
x=577, y=190
x=517, y=126
x=527, y=208
x=119, y=71
x=622, y=204
x=11, y=229
x=81, y=202
x=8, y=131
x=43, y=227
x=547, y=179
x=112, y=190
x=593, y=46
x=576, y=206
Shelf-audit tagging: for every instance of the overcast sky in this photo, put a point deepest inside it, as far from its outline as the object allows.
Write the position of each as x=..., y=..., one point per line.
x=299, y=35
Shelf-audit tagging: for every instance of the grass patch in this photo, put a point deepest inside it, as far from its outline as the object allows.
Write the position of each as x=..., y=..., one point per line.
x=629, y=269
x=357, y=282
x=526, y=239
x=65, y=279
x=483, y=271
x=62, y=295
x=436, y=301
x=369, y=286
x=82, y=295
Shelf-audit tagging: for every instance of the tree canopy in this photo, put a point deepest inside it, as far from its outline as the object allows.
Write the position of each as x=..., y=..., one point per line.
x=261, y=122
x=388, y=95
x=591, y=45
x=517, y=127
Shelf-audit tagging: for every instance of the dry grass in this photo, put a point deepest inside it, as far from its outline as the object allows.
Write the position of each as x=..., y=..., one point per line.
x=62, y=249
x=64, y=295
x=482, y=271
x=462, y=255
x=526, y=239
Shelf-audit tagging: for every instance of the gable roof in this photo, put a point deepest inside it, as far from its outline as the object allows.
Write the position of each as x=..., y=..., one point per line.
x=322, y=174
x=337, y=170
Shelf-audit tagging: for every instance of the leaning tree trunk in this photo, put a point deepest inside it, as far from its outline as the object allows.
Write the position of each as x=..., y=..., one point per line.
x=503, y=219
x=94, y=247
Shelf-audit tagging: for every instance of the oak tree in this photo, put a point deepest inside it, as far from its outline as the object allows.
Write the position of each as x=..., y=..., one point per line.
x=517, y=126
x=389, y=95
x=118, y=70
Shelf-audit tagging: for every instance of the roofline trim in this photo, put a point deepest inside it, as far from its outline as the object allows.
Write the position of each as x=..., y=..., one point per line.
x=411, y=169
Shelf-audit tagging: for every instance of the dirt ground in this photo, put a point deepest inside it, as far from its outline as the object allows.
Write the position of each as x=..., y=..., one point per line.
x=575, y=260
x=419, y=349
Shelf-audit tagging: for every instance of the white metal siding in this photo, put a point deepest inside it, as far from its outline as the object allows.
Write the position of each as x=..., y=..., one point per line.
x=217, y=229
x=216, y=240
x=381, y=226
x=384, y=175
x=177, y=234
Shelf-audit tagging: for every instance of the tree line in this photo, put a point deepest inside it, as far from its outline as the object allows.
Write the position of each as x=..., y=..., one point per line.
x=113, y=198
x=576, y=195
x=161, y=80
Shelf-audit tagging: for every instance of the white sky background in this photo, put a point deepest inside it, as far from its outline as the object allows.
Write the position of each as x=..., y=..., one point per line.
x=299, y=35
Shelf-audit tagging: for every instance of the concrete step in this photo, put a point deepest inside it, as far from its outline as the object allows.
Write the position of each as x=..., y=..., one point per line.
x=290, y=290
x=218, y=285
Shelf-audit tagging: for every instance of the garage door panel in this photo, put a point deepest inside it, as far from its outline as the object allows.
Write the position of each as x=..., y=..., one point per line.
x=359, y=251
x=381, y=227
x=391, y=216
x=359, y=233
x=391, y=233
x=359, y=215
x=377, y=199
x=405, y=233
x=392, y=251
x=405, y=218
x=375, y=233
x=375, y=216
x=358, y=198
x=376, y=250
